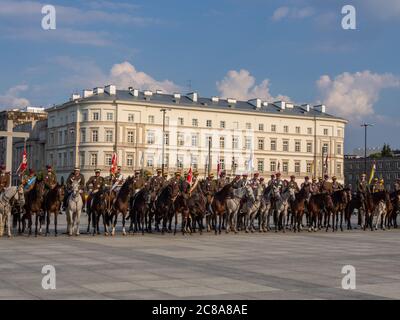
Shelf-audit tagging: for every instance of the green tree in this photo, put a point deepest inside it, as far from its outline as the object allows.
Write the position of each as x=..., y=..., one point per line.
x=386, y=151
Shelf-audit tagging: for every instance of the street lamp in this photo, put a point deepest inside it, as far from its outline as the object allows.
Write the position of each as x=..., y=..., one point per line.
x=365, y=125
x=163, y=139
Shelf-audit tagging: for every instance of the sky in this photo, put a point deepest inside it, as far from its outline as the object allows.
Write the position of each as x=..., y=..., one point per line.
x=295, y=50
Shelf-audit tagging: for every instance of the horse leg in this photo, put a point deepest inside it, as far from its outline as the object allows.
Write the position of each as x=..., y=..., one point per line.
x=47, y=214
x=114, y=223
x=78, y=220
x=36, y=223
x=123, y=224
x=89, y=214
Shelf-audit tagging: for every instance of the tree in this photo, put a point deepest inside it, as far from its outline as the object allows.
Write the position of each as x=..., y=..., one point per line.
x=386, y=151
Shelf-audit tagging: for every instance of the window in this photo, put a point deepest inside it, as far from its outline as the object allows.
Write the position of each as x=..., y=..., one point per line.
x=208, y=140
x=297, y=167
x=179, y=161
x=95, y=135
x=180, y=140
x=129, y=160
x=285, y=166
x=131, y=117
x=65, y=137
x=150, y=137
x=339, y=169
x=297, y=147
x=309, y=164
x=166, y=160
x=194, y=162
x=222, y=142
x=96, y=116
x=339, y=132
x=60, y=159
x=85, y=116
x=166, y=138
x=195, y=122
x=309, y=130
x=222, y=124
x=83, y=135
x=273, y=145
x=110, y=116
x=222, y=163
x=325, y=148
x=247, y=143
x=151, y=119
x=71, y=135
x=285, y=145
x=260, y=144
x=285, y=129
x=272, y=166
x=109, y=136
x=235, y=125
x=166, y=120
x=325, y=132
x=208, y=123
x=260, y=165
x=107, y=159
x=273, y=127
x=60, y=137
x=180, y=121
x=150, y=161
x=339, y=148
x=71, y=158
x=298, y=130
x=260, y=127
x=248, y=125
x=93, y=159
x=131, y=136
x=235, y=142
x=82, y=158
x=195, y=140
x=309, y=147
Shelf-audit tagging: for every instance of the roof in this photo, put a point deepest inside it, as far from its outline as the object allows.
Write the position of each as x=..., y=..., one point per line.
x=207, y=103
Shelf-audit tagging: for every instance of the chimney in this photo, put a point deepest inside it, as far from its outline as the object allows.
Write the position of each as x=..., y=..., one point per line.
x=255, y=102
x=159, y=91
x=289, y=105
x=98, y=90
x=87, y=93
x=177, y=95
x=231, y=100
x=265, y=103
x=110, y=89
x=306, y=107
x=134, y=92
x=321, y=108
x=148, y=93
x=215, y=99
x=75, y=96
x=280, y=104
x=192, y=96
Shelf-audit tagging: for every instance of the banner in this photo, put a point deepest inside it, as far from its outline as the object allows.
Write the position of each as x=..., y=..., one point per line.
x=190, y=176
x=114, y=163
x=24, y=164
x=372, y=174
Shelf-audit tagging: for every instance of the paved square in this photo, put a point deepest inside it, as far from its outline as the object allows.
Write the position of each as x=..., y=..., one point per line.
x=243, y=266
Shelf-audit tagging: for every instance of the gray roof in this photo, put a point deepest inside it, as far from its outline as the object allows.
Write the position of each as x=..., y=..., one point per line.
x=222, y=104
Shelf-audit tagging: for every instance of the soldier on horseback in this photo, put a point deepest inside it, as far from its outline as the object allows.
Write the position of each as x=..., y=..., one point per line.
x=5, y=178
x=254, y=182
x=117, y=180
x=314, y=186
x=210, y=188
x=50, y=179
x=326, y=186
x=29, y=180
x=375, y=185
x=396, y=185
x=336, y=185
x=156, y=182
x=293, y=184
x=236, y=181
x=278, y=183
x=243, y=182
x=306, y=182
x=76, y=175
x=94, y=185
x=272, y=180
x=222, y=181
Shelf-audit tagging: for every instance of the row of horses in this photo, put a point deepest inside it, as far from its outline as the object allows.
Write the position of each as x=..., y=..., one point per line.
x=249, y=208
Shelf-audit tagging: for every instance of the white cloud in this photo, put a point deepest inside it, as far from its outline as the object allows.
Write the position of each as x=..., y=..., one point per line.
x=292, y=13
x=125, y=75
x=353, y=95
x=242, y=86
x=11, y=98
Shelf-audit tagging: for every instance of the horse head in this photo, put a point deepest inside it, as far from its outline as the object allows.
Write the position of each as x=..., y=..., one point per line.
x=292, y=194
x=250, y=193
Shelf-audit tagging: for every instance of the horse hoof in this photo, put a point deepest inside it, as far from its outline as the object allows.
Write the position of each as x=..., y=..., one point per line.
x=124, y=233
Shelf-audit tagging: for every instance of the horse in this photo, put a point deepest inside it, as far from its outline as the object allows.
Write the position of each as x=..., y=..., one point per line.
x=265, y=211
x=98, y=208
x=392, y=218
x=10, y=195
x=372, y=202
x=318, y=203
x=139, y=209
x=218, y=206
x=197, y=206
x=356, y=202
x=164, y=204
x=298, y=206
x=181, y=206
x=52, y=204
x=232, y=207
x=121, y=204
x=251, y=207
x=339, y=199
x=33, y=205
x=74, y=209
x=281, y=206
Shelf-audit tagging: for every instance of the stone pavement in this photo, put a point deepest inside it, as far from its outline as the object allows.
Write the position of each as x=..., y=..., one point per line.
x=243, y=266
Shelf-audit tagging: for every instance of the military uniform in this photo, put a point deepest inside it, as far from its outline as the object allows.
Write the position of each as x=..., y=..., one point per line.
x=243, y=182
x=221, y=182
x=362, y=186
x=336, y=186
x=396, y=185
x=73, y=177
x=236, y=182
x=50, y=180
x=156, y=183
x=326, y=187
x=278, y=183
x=138, y=183
x=5, y=179
x=305, y=183
x=314, y=187
x=97, y=183
x=293, y=184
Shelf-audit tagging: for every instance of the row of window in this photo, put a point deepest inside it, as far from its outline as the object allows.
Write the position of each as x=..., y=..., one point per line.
x=379, y=165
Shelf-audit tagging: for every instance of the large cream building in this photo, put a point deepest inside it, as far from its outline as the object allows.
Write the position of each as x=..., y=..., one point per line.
x=245, y=135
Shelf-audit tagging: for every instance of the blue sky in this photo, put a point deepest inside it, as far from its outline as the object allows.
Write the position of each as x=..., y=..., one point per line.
x=290, y=49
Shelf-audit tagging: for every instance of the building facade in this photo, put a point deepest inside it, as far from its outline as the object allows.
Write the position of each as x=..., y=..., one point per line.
x=240, y=135
x=387, y=169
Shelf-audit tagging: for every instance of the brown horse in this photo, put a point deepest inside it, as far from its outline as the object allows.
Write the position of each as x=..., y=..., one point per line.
x=52, y=204
x=197, y=206
x=33, y=206
x=99, y=207
x=218, y=206
x=317, y=204
x=298, y=207
x=372, y=201
x=356, y=202
x=164, y=205
x=340, y=200
x=181, y=207
x=139, y=210
x=121, y=205
x=392, y=217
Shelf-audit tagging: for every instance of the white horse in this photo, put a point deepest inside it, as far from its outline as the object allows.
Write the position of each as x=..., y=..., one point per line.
x=7, y=198
x=282, y=206
x=252, y=206
x=379, y=215
x=232, y=207
x=265, y=210
x=74, y=209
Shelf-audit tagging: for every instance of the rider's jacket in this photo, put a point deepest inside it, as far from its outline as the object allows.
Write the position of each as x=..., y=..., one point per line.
x=362, y=186
x=50, y=180
x=210, y=186
x=336, y=186
x=221, y=182
x=293, y=185
x=156, y=183
x=95, y=183
x=5, y=179
x=72, y=177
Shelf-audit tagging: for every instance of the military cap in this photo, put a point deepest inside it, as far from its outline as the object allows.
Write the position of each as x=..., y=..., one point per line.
x=97, y=171
x=177, y=173
x=326, y=176
x=48, y=167
x=334, y=178
x=159, y=170
x=211, y=175
x=292, y=177
x=77, y=169
x=306, y=178
x=278, y=174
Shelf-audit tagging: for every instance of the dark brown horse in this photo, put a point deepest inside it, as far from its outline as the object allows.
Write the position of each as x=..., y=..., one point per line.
x=33, y=206
x=181, y=207
x=372, y=201
x=52, y=205
x=164, y=205
x=121, y=205
x=340, y=200
x=392, y=217
x=139, y=211
x=98, y=209
x=355, y=203
x=218, y=206
x=298, y=207
x=317, y=204
x=197, y=206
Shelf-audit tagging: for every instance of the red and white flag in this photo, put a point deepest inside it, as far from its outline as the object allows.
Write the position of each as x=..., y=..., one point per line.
x=114, y=163
x=24, y=164
x=190, y=176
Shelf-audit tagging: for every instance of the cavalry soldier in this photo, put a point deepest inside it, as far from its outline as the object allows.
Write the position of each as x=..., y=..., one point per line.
x=138, y=182
x=236, y=181
x=336, y=185
x=293, y=184
x=156, y=182
x=314, y=186
x=362, y=185
x=5, y=178
x=50, y=180
x=96, y=182
x=272, y=181
x=375, y=185
x=29, y=180
x=222, y=181
x=117, y=180
x=306, y=182
x=326, y=186
x=262, y=182
x=210, y=187
x=278, y=181
x=396, y=185
x=243, y=182
x=176, y=179
x=195, y=177
x=381, y=185
x=76, y=175
x=255, y=180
